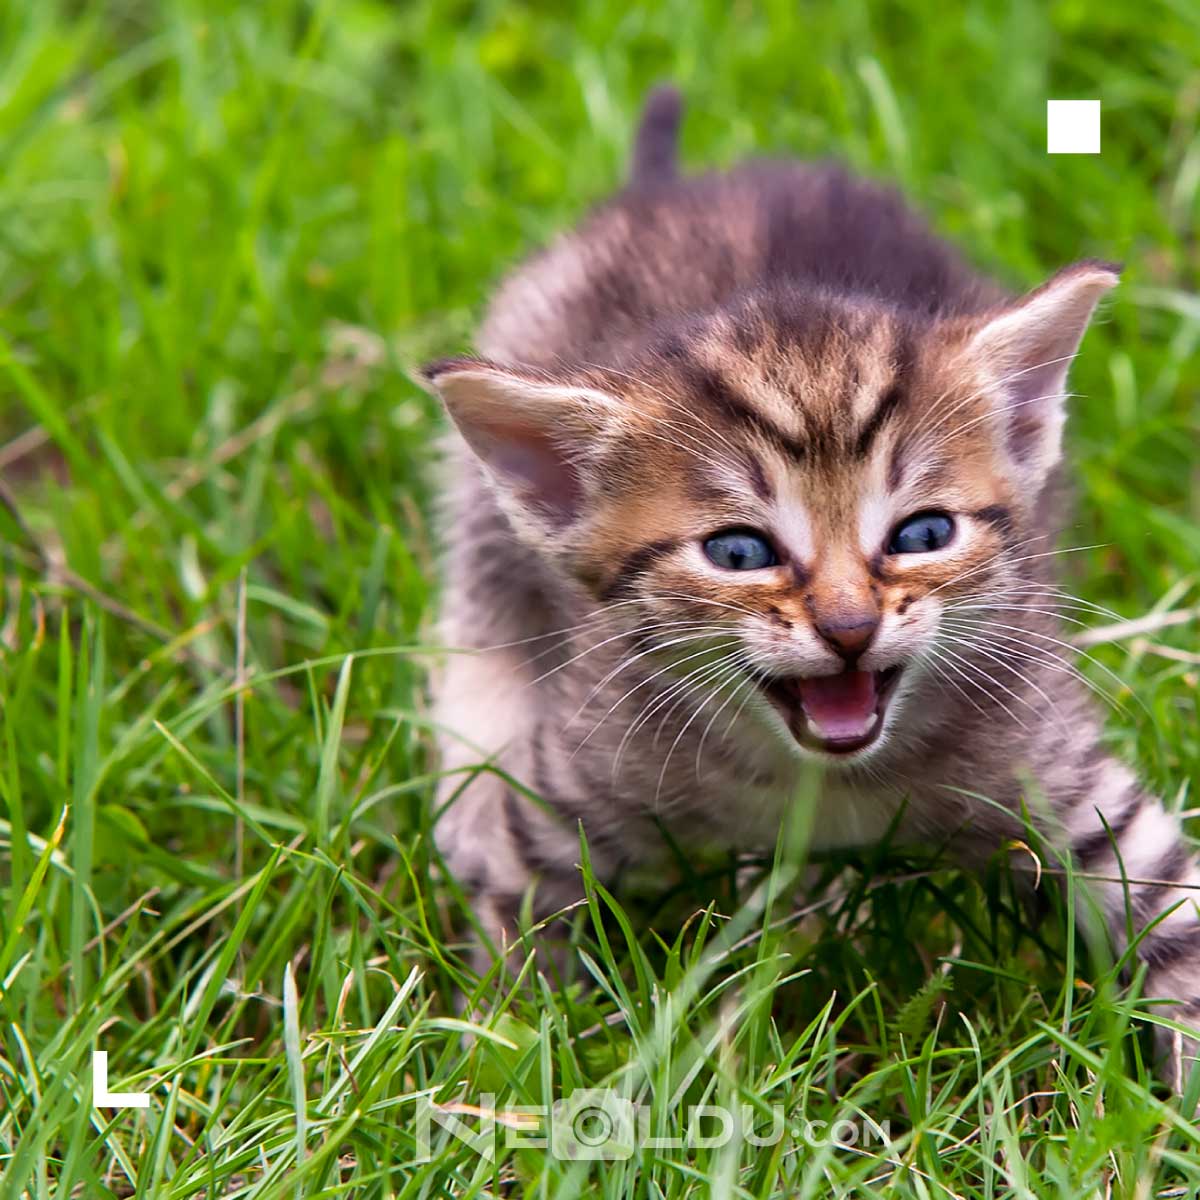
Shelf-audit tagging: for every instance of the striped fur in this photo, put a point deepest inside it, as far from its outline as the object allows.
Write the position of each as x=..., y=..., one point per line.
x=788, y=349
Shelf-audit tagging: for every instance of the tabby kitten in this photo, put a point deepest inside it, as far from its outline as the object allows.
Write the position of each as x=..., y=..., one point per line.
x=756, y=470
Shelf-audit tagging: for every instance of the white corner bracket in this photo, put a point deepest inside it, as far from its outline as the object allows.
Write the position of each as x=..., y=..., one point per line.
x=102, y=1097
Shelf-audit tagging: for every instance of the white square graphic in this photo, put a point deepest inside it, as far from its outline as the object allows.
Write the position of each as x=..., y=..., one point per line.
x=1072, y=126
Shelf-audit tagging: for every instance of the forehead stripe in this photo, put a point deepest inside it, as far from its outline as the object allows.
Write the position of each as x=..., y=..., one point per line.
x=719, y=394
x=889, y=402
x=758, y=477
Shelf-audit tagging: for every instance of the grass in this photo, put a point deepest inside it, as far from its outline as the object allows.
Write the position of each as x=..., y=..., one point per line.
x=228, y=232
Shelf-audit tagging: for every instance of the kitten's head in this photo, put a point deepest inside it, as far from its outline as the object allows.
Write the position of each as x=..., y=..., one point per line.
x=808, y=488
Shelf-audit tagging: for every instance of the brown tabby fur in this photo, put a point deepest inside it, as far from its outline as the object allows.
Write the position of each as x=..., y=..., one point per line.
x=786, y=348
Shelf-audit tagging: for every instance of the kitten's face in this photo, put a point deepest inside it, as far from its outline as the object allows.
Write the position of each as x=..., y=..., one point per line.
x=808, y=513
x=796, y=509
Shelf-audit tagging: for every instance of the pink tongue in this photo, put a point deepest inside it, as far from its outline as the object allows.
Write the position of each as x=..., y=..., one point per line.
x=840, y=707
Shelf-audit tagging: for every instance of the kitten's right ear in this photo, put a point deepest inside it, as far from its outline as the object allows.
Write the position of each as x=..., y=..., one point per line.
x=531, y=431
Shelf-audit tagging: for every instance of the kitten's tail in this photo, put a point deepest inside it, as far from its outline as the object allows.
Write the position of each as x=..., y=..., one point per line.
x=656, y=147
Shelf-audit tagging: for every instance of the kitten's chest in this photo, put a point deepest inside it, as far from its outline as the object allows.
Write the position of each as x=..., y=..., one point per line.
x=750, y=817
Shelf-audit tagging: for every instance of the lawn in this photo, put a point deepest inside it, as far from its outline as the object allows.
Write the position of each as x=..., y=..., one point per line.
x=229, y=233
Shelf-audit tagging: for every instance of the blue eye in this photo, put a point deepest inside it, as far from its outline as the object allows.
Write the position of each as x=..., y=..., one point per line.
x=740, y=550
x=921, y=533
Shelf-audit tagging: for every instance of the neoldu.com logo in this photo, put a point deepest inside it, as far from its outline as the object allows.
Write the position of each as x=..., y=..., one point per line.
x=600, y=1124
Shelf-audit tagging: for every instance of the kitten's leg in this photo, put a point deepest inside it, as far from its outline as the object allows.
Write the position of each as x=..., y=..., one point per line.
x=1116, y=831
x=480, y=710
x=498, y=843
x=514, y=861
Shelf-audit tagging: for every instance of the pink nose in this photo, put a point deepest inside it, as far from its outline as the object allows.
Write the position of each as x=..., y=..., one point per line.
x=848, y=633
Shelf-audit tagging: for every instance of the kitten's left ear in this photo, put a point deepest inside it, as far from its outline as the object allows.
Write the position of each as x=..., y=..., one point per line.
x=1027, y=348
x=531, y=431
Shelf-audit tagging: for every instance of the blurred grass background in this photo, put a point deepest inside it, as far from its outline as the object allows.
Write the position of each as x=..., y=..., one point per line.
x=227, y=232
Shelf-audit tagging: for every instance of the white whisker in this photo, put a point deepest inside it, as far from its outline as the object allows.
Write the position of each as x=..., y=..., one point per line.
x=629, y=660
x=678, y=738
x=748, y=681
x=967, y=664
x=637, y=687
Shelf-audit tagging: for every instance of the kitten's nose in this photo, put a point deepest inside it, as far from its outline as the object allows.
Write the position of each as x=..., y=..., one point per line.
x=848, y=633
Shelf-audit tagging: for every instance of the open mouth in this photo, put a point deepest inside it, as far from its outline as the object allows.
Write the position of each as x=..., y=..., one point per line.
x=839, y=714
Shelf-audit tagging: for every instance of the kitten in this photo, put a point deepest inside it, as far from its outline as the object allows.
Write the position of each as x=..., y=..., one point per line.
x=756, y=470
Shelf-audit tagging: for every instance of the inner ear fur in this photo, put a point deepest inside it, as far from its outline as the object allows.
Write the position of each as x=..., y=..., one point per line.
x=1025, y=350
x=530, y=429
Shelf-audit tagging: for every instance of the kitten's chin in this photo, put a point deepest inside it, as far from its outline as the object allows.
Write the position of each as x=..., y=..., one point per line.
x=837, y=716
